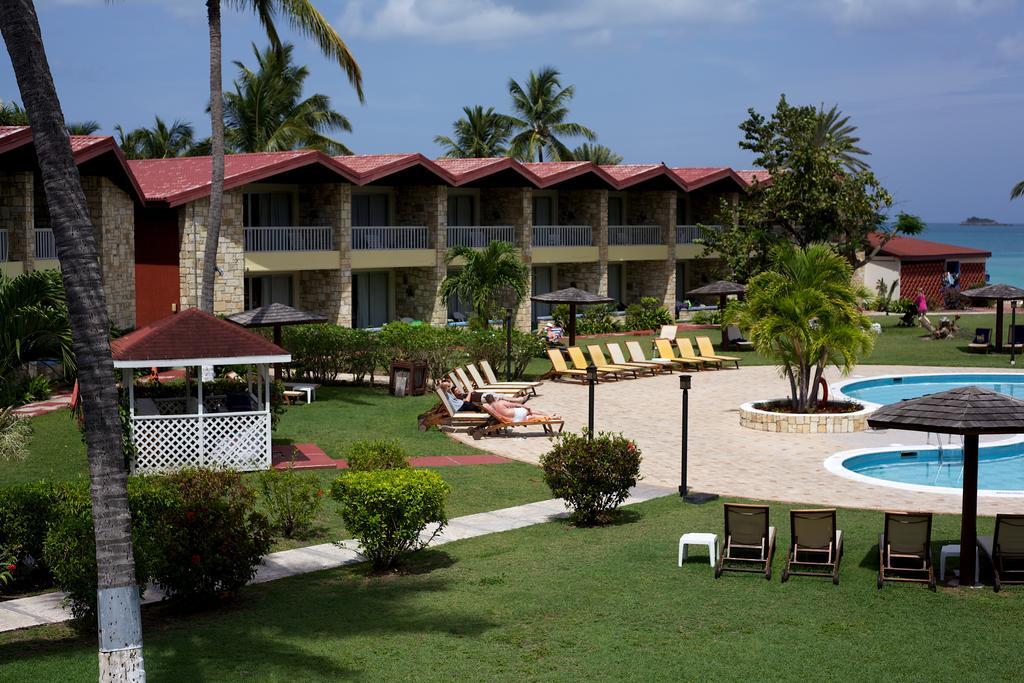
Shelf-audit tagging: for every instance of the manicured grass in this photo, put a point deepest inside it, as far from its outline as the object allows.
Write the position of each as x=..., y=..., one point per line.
x=555, y=603
x=56, y=452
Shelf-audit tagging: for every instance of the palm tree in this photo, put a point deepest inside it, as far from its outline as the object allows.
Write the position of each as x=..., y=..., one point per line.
x=12, y=114
x=1017, y=191
x=36, y=323
x=803, y=313
x=485, y=273
x=480, y=133
x=83, y=127
x=304, y=17
x=835, y=130
x=540, y=112
x=599, y=154
x=120, y=619
x=162, y=141
x=266, y=112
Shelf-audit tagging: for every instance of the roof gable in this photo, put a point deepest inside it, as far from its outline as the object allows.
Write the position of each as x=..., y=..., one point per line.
x=912, y=248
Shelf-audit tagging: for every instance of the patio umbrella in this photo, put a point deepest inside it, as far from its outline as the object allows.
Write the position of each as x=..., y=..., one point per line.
x=1000, y=293
x=574, y=297
x=968, y=411
x=723, y=288
x=276, y=316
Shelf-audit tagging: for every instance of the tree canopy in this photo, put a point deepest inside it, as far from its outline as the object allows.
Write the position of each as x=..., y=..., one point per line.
x=162, y=141
x=480, y=133
x=597, y=153
x=484, y=273
x=541, y=108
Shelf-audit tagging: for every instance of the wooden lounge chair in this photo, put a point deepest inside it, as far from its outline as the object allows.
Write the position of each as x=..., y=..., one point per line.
x=749, y=542
x=1015, y=338
x=597, y=355
x=442, y=414
x=619, y=358
x=904, y=548
x=497, y=424
x=686, y=351
x=1005, y=550
x=579, y=361
x=668, y=332
x=664, y=349
x=491, y=378
x=636, y=354
x=982, y=340
x=469, y=386
x=815, y=547
x=483, y=384
x=559, y=369
x=734, y=338
x=707, y=350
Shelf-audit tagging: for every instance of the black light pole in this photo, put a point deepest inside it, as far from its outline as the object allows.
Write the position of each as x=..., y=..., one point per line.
x=508, y=344
x=697, y=498
x=592, y=381
x=1013, y=333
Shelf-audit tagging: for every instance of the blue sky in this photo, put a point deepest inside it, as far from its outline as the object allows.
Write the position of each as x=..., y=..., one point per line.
x=934, y=85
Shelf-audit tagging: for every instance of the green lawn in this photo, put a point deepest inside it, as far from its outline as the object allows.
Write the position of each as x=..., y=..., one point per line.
x=555, y=603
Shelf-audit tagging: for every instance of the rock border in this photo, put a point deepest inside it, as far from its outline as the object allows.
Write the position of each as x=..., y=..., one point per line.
x=803, y=423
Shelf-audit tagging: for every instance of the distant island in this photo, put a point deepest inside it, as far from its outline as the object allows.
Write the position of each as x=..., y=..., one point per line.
x=974, y=220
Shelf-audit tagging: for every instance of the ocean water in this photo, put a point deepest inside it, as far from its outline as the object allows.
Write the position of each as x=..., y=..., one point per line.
x=1006, y=242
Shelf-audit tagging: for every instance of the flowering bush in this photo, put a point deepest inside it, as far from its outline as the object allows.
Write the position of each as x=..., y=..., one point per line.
x=8, y=563
x=291, y=500
x=593, y=476
x=386, y=510
x=380, y=454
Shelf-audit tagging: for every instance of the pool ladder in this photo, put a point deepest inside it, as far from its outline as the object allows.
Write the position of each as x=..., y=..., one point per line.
x=942, y=455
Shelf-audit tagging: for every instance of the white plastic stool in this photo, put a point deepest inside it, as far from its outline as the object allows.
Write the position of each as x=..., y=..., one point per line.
x=710, y=540
x=954, y=551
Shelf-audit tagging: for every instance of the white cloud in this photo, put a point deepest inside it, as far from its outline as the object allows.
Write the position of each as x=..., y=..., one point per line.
x=886, y=11
x=1011, y=47
x=583, y=22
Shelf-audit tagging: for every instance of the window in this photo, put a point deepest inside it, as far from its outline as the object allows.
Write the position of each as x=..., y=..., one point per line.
x=371, y=299
x=543, y=282
x=616, y=214
x=460, y=209
x=263, y=290
x=543, y=211
x=615, y=283
x=267, y=209
x=370, y=210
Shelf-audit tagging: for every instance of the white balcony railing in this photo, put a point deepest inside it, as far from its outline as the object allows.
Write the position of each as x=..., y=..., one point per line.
x=563, y=236
x=289, y=238
x=390, y=237
x=634, y=235
x=4, y=247
x=479, y=236
x=689, y=234
x=46, y=246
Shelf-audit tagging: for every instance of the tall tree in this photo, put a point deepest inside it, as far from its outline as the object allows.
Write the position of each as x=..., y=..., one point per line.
x=485, y=272
x=1017, y=191
x=162, y=141
x=304, y=17
x=480, y=133
x=12, y=114
x=835, y=132
x=267, y=113
x=599, y=154
x=540, y=112
x=120, y=624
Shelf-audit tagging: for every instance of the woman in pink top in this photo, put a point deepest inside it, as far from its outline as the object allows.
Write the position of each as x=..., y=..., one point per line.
x=922, y=303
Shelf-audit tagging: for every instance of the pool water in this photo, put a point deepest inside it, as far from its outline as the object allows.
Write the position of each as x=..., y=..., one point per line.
x=999, y=467
x=885, y=390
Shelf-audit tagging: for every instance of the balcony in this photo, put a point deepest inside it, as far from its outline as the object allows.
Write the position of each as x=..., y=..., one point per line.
x=689, y=234
x=391, y=246
x=634, y=235
x=4, y=246
x=46, y=245
x=563, y=236
x=290, y=238
x=479, y=236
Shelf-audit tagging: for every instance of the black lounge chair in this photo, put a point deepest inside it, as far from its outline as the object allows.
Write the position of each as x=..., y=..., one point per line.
x=749, y=542
x=982, y=340
x=1005, y=550
x=904, y=549
x=1016, y=338
x=816, y=546
x=734, y=338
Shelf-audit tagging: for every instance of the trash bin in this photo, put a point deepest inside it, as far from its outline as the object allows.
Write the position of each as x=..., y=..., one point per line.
x=408, y=379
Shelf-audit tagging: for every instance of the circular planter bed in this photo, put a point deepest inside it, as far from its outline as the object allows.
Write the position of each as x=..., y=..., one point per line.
x=775, y=416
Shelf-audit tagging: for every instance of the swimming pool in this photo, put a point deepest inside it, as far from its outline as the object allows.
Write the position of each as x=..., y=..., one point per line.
x=892, y=389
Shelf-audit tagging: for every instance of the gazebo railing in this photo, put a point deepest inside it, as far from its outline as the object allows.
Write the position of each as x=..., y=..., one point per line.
x=165, y=443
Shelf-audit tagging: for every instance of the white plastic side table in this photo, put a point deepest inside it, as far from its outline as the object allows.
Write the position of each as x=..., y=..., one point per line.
x=953, y=550
x=709, y=540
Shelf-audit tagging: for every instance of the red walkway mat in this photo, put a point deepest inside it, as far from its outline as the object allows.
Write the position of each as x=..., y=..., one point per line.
x=308, y=456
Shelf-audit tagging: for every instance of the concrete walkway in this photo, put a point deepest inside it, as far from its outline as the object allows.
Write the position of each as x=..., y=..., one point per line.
x=59, y=400
x=46, y=608
x=724, y=457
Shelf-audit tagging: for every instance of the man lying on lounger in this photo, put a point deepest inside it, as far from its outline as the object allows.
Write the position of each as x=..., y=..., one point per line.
x=510, y=410
x=473, y=402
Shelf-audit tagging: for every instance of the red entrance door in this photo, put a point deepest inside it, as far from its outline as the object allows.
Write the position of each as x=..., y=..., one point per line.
x=156, y=264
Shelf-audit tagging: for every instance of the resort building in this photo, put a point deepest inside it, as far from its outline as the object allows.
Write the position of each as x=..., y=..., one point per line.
x=923, y=265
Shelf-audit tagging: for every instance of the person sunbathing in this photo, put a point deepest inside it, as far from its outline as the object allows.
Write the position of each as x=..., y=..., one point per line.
x=509, y=410
x=472, y=402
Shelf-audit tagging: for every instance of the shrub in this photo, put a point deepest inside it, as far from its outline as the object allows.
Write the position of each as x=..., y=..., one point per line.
x=707, y=318
x=490, y=345
x=315, y=350
x=593, y=477
x=386, y=510
x=649, y=314
x=438, y=347
x=26, y=512
x=8, y=563
x=379, y=454
x=593, y=319
x=14, y=435
x=18, y=392
x=292, y=501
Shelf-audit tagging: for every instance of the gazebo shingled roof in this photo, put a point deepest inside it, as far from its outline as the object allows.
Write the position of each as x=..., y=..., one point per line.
x=275, y=314
x=999, y=291
x=719, y=288
x=571, y=295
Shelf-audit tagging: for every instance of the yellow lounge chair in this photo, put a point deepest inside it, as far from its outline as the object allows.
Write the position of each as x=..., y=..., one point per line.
x=686, y=351
x=579, y=361
x=468, y=386
x=636, y=354
x=560, y=369
x=619, y=358
x=707, y=350
x=492, y=378
x=482, y=383
x=598, y=357
x=664, y=348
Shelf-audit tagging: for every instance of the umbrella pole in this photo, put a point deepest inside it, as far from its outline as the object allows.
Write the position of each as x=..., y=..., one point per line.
x=572, y=324
x=999, y=325
x=969, y=514
x=721, y=310
x=277, y=340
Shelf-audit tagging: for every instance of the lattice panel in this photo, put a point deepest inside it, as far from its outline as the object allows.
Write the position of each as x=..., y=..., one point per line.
x=166, y=445
x=237, y=442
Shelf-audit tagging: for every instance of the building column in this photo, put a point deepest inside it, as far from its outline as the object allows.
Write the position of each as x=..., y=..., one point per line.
x=17, y=216
x=328, y=292
x=665, y=213
x=599, y=217
x=522, y=218
x=436, y=214
x=343, y=243
x=229, y=288
x=112, y=213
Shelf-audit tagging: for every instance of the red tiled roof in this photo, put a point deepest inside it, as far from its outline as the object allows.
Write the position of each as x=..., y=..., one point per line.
x=913, y=249
x=191, y=334
x=627, y=175
x=464, y=171
x=694, y=178
x=549, y=173
x=371, y=167
x=751, y=175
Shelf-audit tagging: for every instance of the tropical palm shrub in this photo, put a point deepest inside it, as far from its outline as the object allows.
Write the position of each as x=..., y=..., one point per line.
x=14, y=435
x=803, y=313
x=647, y=314
x=484, y=275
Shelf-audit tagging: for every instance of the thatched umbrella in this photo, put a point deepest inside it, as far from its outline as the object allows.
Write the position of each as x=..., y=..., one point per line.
x=1000, y=293
x=723, y=288
x=276, y=316
x=574, y=297
x=968, y=411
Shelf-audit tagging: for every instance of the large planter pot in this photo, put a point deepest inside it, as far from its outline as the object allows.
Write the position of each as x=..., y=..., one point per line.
x=802, y=423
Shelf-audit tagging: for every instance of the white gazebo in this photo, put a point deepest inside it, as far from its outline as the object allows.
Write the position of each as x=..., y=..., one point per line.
x=229, y=430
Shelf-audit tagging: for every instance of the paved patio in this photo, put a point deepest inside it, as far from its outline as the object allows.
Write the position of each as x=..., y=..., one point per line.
x=724, y=457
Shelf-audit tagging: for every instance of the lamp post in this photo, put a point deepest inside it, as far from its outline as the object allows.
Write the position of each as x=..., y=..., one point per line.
x=1013, y=333
x=697, y=498
x=592, y=382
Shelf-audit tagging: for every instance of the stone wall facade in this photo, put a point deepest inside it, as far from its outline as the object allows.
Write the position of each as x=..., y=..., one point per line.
x=328, y=292
x=424, y=205
x=113, y=218
x=17, y=216
x=655, y=279
x=229, y=288
x=513, y=206
x=587, y=207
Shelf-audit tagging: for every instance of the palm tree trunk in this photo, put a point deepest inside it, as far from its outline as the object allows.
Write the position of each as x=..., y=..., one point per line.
x=217, y=157
x=120, y=625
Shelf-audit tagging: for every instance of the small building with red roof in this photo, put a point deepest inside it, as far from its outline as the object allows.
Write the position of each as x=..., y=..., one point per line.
x=918, y=264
